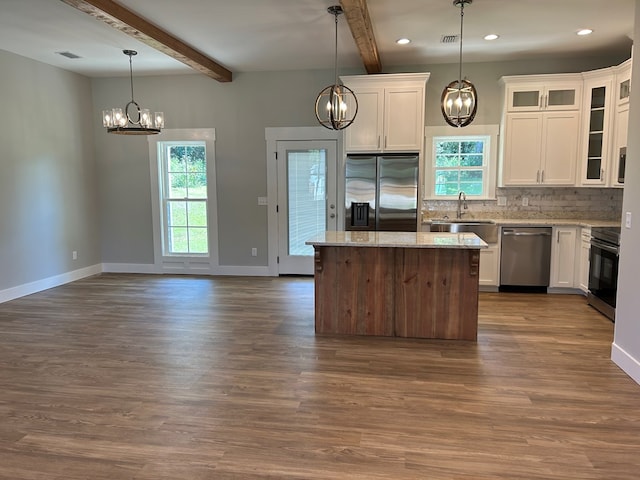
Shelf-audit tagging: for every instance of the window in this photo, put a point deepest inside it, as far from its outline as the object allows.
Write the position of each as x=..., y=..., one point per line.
x=184, y=198
x=306, y=178
x=461, y=160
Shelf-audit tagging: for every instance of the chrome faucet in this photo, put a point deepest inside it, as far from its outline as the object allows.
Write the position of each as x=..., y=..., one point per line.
x=462, y=203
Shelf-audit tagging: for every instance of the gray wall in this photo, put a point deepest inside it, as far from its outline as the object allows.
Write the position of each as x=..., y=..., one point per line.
x=48, y=182
x=240, y=111
x=627, y=332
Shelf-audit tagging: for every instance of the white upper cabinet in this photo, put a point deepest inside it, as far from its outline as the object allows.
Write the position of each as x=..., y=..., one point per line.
x=541, y=122
x=619, y=156
x=390, y=113
x=620, y=124
x=543, y=93
x=565, y=129
x=540, y=149
x=597, y=126
x=623, y=82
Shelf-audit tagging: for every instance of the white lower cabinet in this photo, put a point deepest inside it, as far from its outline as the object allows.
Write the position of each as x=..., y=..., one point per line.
x=583, y=267
x=490, y=266
x=563, y=257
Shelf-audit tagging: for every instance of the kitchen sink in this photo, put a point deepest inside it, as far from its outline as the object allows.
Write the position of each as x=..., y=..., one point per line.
x=465, y=220
x=487, y=230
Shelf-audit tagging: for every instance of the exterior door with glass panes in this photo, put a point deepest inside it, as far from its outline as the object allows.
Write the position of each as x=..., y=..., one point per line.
x=306, y=200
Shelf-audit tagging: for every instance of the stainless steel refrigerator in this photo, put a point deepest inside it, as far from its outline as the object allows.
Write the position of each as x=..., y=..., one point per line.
x=381, y=192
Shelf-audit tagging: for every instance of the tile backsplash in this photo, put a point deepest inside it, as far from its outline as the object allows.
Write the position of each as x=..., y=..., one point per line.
x=575, y=203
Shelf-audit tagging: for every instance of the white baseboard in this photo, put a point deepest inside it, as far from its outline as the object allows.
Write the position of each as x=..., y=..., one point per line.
x=228, y=270
x=129, y=268
x=626, y=362
x=47, y=283
x=241, y=271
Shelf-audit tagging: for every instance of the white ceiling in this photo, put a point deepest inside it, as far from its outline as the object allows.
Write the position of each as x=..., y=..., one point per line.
x=261, y=35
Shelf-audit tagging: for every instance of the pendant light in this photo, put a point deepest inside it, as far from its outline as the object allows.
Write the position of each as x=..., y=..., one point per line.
x=336, y=105
x=459, y=101
x=124, y=122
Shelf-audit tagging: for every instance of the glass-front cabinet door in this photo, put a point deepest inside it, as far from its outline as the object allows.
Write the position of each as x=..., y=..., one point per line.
x=623, y=81
x=596, y=129
x=533, y=97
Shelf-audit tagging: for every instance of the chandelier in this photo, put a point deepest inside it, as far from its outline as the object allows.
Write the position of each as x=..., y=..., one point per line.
x=459, y=101
x=336, y=105
x=133, y=120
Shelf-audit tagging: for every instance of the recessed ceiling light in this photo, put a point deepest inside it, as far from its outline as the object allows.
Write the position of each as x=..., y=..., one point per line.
x=403, y=41
x=491, y=36
x=585, y=31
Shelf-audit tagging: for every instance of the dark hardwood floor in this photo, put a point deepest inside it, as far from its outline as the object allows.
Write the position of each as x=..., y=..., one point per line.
x=134, y=377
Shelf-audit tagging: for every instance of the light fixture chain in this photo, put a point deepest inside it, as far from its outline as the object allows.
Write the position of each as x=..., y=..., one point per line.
x=461, y=25
x=335, y=56
x=131, y=75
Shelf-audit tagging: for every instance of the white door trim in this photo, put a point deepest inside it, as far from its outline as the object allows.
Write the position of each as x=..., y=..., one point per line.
x=272, y=136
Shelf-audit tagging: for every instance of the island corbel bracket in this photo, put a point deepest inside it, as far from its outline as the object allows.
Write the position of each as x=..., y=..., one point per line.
x=474, y=264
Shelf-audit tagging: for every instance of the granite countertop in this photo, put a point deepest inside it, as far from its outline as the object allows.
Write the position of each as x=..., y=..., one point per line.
x=398, y=240
x=551, y=222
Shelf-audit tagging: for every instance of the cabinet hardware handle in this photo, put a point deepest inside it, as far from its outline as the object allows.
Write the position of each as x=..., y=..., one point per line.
x=558, y=241
x=538, y=176
x=385, y=141
x=378, y=145
x=601, y=173
x=542, y=177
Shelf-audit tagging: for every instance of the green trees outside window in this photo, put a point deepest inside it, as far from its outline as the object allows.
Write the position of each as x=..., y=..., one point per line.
x=459, y=166
x=185, y=193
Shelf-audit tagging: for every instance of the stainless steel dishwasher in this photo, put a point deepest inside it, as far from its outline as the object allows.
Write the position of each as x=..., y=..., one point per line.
x=526, y=256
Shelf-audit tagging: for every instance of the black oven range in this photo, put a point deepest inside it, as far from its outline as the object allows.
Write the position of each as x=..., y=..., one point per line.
x=603, y=269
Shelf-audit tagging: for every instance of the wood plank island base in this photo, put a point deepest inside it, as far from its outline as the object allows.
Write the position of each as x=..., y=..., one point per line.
x=405, y=284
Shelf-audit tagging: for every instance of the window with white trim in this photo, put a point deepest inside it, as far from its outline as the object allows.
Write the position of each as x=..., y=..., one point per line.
x=184, y=197
x=461, y=160
x=183, y=200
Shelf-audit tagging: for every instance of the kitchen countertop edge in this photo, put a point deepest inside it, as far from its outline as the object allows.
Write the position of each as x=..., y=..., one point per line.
x=398, y=240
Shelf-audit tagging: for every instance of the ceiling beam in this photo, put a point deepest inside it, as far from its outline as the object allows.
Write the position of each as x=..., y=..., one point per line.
x=357, y=15
x=123, y=19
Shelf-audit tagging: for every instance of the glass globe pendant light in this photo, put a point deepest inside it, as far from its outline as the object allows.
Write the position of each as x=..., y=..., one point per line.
x=459, y=101
x=123, y=122
x=336, y=105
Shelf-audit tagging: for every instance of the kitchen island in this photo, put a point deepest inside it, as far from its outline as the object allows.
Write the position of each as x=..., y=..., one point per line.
x=406, y=284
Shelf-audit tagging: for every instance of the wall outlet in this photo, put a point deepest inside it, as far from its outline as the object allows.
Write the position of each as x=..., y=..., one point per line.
x=627, y=219
x=254, y=252
x=525, y=201
x=502, y=201
x=262, y=200
x=74, y=255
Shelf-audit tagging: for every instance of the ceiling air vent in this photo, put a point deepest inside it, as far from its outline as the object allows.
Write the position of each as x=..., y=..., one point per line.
x=449, y=38
x=69, y=55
